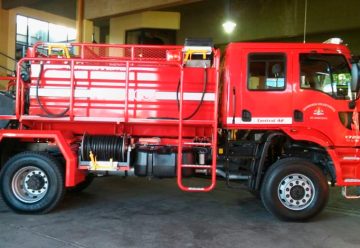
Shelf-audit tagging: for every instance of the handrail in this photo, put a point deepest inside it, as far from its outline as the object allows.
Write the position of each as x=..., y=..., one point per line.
x=7, y=78
x=127, y=45
x=87, y=47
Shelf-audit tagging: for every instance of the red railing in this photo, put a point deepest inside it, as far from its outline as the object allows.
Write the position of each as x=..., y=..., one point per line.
x=108, y=51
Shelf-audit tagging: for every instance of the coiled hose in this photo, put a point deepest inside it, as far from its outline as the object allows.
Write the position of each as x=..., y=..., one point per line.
x=104, y=147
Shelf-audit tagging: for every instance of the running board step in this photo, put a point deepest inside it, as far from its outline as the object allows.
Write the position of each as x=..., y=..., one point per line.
x=196, y=166
x=345, y=194
x=197, y=144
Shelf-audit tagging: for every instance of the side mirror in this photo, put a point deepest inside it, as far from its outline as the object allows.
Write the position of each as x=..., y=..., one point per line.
x=355, y=83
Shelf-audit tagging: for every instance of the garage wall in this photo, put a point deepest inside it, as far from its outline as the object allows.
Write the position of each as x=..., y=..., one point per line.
x=272, y=20
x=148, y=19
x=37, y=14
x=8, y=30
x=4, y=17
x=10, y=24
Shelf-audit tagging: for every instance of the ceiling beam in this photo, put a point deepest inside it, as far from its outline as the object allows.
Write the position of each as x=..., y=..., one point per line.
x=104, y=8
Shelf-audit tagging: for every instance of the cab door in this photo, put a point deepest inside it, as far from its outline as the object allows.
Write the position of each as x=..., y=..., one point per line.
x=323, y=94
x=322, y=99
x=266, y=93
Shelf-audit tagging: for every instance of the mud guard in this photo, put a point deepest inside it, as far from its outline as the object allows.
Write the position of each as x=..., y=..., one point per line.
x=73, y=175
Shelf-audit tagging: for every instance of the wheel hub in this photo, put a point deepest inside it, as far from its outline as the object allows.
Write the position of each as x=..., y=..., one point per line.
x=35, y=182
x=30, y=184
x=296, y=191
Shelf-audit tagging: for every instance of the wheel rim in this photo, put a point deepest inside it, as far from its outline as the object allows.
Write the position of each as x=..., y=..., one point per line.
x=296, y=192
x=30, y=184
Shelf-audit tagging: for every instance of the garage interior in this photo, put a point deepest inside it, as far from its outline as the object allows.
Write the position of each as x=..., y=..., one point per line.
x=133, y=212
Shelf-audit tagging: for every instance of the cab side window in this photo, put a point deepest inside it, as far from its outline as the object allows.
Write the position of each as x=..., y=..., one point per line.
x=266, y=71
x=328, y=73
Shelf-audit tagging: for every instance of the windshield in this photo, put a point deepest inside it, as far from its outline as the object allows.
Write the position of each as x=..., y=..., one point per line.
x=329, y=73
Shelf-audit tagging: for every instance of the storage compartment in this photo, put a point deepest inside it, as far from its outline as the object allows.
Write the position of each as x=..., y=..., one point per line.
x=242, y=148
x=161, y=161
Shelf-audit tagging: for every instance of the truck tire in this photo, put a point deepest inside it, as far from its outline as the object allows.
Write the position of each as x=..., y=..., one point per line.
x=83, y=185
x=32, y=182
x=294, y=189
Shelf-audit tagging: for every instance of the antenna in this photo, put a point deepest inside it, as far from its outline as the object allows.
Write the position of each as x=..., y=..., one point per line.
x=305, y=20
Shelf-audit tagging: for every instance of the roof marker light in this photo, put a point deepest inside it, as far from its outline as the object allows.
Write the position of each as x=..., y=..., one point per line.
x=337, y=41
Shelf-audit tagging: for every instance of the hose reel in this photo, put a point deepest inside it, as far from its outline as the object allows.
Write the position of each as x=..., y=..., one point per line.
x=104, y=147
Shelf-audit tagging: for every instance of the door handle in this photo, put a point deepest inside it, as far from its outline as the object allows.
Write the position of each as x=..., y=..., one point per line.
x=234, y=105
x=246, y=115
x=298, y=116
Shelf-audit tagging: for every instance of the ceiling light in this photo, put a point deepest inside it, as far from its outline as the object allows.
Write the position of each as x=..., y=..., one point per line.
x=229, y=26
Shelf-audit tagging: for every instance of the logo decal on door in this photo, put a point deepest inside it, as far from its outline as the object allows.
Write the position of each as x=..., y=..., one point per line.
x=318, y=111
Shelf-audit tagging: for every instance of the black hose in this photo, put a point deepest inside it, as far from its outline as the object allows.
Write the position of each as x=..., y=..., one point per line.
x=48, y=113
x=178, y=101
x=104, y=147
x=201, y=100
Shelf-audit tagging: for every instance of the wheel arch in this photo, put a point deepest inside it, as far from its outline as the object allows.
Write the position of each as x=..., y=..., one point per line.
x=311, y=135
x=73, y=175
x=7, y=146
x=282, y=139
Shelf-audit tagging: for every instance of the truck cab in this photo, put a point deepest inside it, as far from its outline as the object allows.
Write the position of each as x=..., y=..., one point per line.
x=300, y=100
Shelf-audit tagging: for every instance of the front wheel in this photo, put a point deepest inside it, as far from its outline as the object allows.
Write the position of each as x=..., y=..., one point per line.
x=294, y=189
x=32, y=182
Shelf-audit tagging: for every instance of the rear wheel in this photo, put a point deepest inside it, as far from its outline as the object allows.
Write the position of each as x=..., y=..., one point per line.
x=294, y=189
x=32, y=182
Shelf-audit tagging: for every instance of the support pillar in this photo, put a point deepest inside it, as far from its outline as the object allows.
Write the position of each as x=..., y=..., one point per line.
x=80, y=20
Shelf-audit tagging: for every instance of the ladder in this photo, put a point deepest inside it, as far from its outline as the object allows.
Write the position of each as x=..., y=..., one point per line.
x=212, y=124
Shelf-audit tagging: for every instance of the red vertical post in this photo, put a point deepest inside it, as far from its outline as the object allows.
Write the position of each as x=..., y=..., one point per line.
x=215, y=120
x=179, y=155
x=132, y=53
x=72, y=89
x=18, y=110
x=127, y=74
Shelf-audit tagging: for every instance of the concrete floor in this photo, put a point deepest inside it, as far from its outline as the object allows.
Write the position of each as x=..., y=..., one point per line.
x=135, y=212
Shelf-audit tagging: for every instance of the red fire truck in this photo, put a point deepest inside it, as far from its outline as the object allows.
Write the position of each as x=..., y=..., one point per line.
x=280, y=117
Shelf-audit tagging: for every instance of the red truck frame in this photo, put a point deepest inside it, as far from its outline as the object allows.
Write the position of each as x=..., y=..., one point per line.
x=281, y=117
